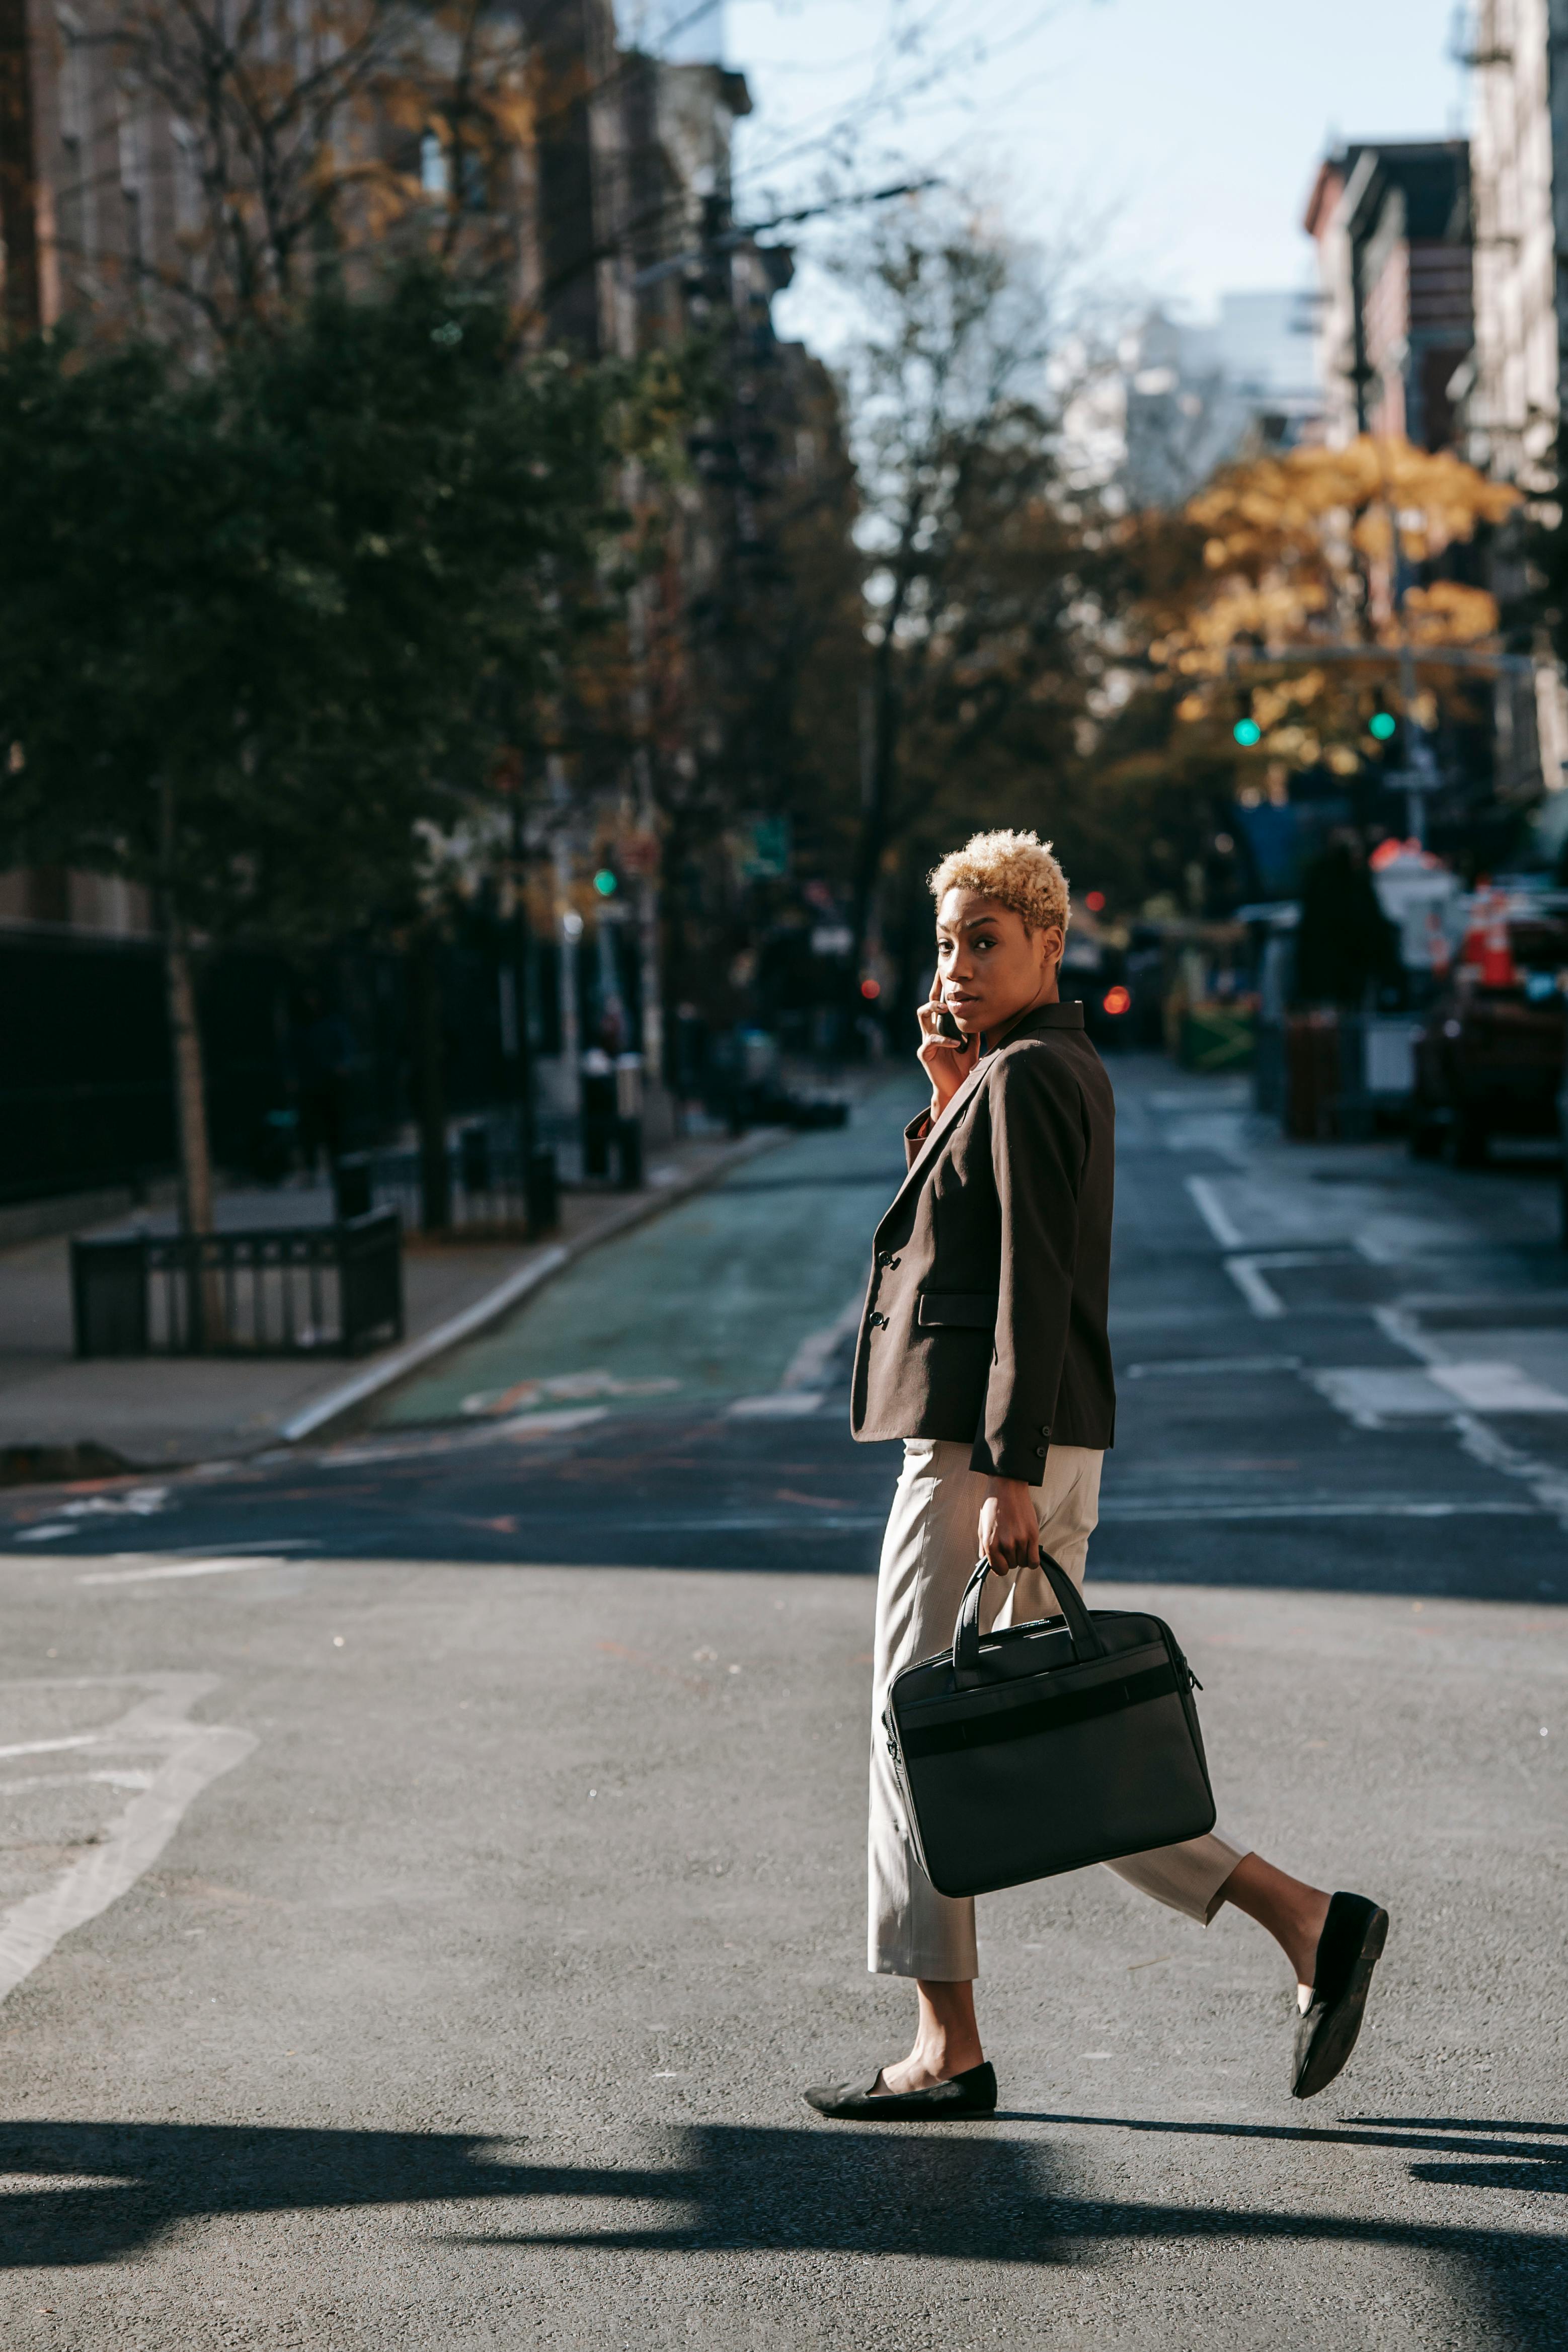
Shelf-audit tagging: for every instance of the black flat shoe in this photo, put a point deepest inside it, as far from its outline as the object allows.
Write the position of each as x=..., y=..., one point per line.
x=973, y=2093
x=1348, y=1951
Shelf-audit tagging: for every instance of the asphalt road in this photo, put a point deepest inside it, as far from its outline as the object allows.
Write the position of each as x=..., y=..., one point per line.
x=431, y=1864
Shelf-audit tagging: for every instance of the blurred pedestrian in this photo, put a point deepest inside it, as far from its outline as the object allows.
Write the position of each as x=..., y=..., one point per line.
x=983, y=1347
x=1346, y=949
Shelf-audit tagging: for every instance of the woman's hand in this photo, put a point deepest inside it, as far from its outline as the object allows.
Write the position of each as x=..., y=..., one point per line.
x=1009, y=1531
x=945, y=1064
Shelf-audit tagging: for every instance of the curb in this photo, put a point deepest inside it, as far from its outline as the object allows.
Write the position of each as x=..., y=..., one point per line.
x=337, y=1403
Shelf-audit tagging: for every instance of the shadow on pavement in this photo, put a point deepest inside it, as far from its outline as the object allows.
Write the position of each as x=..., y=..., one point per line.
x=904, y=2191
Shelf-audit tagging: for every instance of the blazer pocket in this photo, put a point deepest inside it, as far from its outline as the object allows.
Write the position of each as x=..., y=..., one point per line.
x=956, y=1310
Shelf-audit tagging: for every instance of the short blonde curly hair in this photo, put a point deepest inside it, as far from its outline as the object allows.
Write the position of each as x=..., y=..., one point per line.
x=1017, y=870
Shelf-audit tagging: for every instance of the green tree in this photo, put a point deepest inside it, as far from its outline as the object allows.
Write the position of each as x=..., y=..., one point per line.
x=263, y=629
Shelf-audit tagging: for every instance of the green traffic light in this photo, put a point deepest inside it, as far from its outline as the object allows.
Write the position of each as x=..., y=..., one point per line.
x=1382, y=724
x=1248, y=732
x=605, y=883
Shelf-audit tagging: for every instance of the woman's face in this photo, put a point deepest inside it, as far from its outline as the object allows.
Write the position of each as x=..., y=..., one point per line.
x=990, y=968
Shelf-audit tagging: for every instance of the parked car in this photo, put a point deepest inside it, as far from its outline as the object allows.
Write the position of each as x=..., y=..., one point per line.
x=1094, y=970
x=1488, y=1061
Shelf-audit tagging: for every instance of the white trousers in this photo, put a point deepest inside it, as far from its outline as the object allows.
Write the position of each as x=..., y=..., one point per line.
x=928, y=1554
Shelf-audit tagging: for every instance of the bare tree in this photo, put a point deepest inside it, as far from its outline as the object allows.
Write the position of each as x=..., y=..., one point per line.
x=975, y=544
x=259, y=145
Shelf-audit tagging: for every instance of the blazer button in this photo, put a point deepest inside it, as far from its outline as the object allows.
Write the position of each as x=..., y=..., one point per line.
x=1040, y=1453
x=886, y=1257
x=1045, y=1429
x=877, y=1322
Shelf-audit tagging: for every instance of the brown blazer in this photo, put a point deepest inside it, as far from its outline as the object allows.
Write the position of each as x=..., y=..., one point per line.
x=985, y=1321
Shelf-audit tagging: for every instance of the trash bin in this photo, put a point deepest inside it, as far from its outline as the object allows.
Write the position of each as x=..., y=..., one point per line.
x=628, y=1120
x=599, y=1111
x=1312, y=1084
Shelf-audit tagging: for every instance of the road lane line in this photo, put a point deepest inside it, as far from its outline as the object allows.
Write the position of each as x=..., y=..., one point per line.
x=779, y=1404
x=1215, y=1216
x=808, y=1365
x=1264, y=1301
x=198, y=1754
x=185, y=1567
x=1152, y=1514
x=51, y=1746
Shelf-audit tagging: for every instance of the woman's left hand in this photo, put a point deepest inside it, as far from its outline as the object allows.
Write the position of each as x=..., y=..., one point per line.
x=1009, y=1531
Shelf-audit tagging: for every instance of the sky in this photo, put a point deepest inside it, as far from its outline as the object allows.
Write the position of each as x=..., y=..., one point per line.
x=1177, y=138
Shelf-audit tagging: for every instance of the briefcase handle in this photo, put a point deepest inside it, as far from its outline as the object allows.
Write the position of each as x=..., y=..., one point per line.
x=1082, y=1634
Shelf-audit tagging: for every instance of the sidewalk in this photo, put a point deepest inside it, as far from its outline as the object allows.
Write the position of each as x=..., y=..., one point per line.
x=157, y=1410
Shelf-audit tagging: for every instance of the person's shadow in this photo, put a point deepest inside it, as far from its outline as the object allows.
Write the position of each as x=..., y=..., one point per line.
x=972, y=2194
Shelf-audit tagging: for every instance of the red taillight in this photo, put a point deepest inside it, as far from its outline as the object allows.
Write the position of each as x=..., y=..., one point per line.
x=1119, y=999
x=870, y=990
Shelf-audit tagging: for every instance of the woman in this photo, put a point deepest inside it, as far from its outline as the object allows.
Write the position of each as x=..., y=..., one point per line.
x=983, y=1345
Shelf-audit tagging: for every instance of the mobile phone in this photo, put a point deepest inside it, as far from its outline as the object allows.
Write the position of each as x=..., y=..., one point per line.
x=947, y=1028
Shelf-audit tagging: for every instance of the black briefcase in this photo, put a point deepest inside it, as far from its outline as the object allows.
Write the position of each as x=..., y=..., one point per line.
x=1047, y=1745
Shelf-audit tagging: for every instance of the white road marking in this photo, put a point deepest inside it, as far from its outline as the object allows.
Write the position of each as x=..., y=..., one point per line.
x=1209, y=1206
x=1248, y=1274
x=567, y=1388
x=1547, y=1480
x=1371, y=1396
x=1186, y=1366
x=808, y=1366
x=171, y=1552
x=195, y=1755
x=182, y=1568
x=782, y=1405
x=1265, y=1302
x=50, y=1747
x=458, y=1441
x=1365, y=1508
x=1497, y=1388
x=128, y=1779
x=801, y=1389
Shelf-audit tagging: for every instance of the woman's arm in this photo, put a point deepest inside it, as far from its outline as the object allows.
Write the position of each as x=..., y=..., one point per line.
x=1038, y=1147
x=1009, y=1531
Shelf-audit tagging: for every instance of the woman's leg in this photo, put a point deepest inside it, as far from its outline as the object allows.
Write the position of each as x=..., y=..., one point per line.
x=947, y=2038
x=928, y=1553
x=1292, y=1911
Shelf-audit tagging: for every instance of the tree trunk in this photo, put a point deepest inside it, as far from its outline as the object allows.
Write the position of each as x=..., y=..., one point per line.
x=190, y=1089
x=429, y=1061
x=204, y=1291
x=205, y=1294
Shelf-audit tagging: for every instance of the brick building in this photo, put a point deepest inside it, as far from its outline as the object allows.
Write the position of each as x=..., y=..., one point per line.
x=1391, y=225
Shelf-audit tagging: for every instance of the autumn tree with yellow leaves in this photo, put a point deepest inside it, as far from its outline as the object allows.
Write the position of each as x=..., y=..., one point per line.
x=1297, y=595
x=1304, y=597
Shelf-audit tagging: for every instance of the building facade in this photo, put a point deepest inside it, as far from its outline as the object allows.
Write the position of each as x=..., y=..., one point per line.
x=1513, y=407
x=1392, y=224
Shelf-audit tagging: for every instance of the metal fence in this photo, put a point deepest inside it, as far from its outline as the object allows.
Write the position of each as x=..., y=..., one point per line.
x=293, y=1290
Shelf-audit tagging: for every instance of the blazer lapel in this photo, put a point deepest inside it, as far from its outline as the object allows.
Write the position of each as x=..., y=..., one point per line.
x=939, y=1128
x=1048, y=1016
